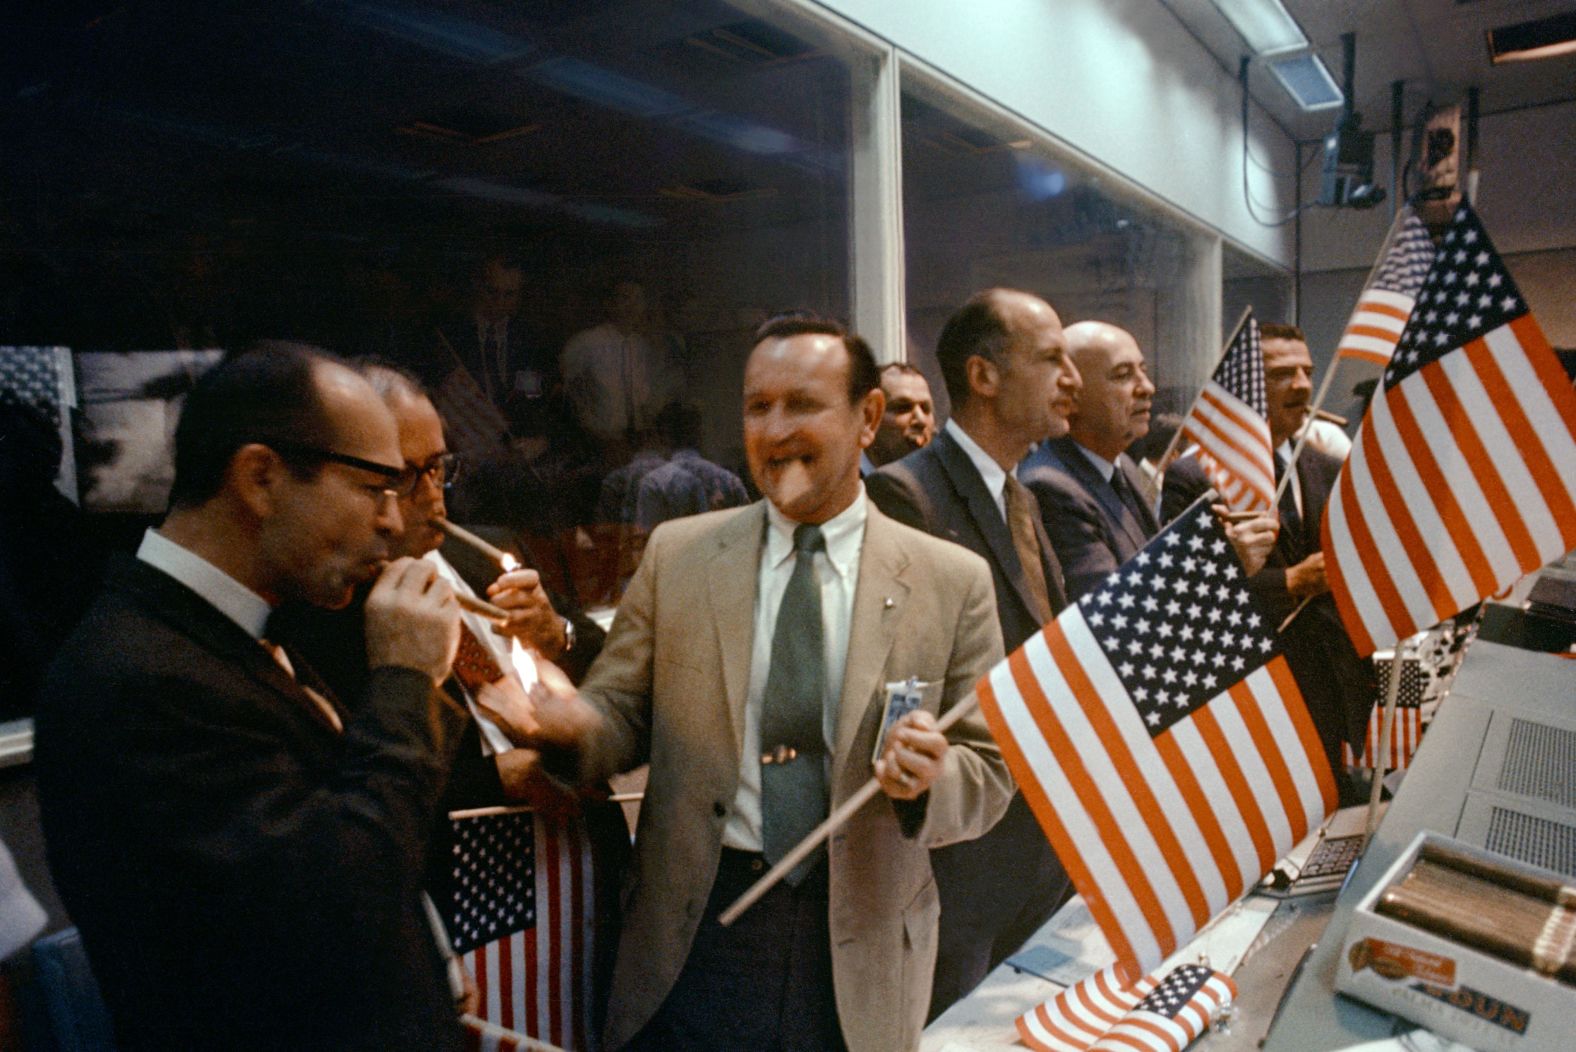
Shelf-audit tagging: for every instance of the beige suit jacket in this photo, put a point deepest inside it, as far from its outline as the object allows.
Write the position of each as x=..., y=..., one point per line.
x=671, y=685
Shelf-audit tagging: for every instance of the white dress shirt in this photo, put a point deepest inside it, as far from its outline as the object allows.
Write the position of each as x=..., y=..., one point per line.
x=994, y=474
x=1284, y=452
x=837, y=569
x=1105, y=467
x=500, y=647
x=223, y=592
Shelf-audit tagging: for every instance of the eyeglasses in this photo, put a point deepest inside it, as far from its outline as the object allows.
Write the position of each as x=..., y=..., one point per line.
x=395, y=477
x=442, y=469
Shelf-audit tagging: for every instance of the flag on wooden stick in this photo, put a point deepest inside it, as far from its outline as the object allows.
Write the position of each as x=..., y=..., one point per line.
x=1463, y=475
x=1227, y=422
x=1158, y=737
x=1386, y=302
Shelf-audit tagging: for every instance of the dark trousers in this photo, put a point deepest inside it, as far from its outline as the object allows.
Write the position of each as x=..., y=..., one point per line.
x=765, y=983
x=995, y=893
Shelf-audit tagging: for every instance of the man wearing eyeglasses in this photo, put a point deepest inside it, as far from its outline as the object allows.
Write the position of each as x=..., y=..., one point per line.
x=241, y=851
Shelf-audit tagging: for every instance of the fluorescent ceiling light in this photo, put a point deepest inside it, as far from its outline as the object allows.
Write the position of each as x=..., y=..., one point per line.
x=1526, y=41
x=1308, y=81
x=1266, y=25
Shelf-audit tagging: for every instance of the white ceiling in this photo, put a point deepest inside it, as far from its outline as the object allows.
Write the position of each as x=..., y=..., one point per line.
x=1437, y=47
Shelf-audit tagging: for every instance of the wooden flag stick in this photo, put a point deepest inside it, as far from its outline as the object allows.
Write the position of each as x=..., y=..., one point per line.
x=1293, y=615
x=833, y=822
x=1155, y=482
x=1381, y=747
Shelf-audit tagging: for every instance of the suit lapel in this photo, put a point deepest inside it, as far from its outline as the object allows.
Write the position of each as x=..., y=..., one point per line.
x=879, y=599
x=965, y=478
x=737, y=559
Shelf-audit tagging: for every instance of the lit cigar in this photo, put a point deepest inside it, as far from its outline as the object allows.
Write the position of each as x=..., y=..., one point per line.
x=1334, y=418
x=484, y=608
x=497, y=555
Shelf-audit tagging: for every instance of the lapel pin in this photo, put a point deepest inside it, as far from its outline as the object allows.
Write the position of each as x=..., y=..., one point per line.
x=888, y=603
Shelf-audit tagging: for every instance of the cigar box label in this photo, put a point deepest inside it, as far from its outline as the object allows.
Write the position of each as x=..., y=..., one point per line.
x=1479, y=1005
x=1391, y=960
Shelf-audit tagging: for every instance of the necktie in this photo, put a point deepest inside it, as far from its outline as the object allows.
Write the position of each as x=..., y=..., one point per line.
x=474, y=664
x=793, y=776
x=1020, y=523
x=1130, y=499
x=324, y=707
x=1290, y=517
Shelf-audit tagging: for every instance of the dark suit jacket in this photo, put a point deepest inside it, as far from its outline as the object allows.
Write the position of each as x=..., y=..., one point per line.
x=937, y=489
x=1090, y=528
x=1337, y=685
x=534, y=409
x=243, y=875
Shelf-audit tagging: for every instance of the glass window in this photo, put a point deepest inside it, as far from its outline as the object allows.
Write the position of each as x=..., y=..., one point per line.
x=988, y=201
x=567, y=216
x=1246, y=281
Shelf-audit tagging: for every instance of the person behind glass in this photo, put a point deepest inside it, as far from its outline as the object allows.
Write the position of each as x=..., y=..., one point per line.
x=242, y=852
x=1004, y=360
x=616, y=375
x=750, y=663
x=1337, y=685
x=909, y=422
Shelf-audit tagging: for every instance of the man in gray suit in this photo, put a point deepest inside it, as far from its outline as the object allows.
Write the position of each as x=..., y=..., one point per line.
x=1093, y=499
x=750, y=663
x=1003, y=358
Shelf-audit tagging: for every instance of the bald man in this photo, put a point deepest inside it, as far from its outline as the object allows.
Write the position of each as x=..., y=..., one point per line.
x=1093, y=498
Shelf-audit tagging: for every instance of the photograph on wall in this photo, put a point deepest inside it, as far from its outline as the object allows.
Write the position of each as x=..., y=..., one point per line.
x=37, y=394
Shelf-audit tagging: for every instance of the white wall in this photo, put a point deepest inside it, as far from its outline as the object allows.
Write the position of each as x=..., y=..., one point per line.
x=1118, y=80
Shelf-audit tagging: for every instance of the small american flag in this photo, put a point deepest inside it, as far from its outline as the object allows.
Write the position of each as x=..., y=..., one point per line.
x=1228, y=424
x=1387, y=300
x=476, y=429
x=1406, y=731
x=1102, y=1012
x=520, y=910
x=1463, y=475
x=1159, y=739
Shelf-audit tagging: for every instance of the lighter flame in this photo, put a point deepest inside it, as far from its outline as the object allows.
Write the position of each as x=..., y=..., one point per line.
x=524, y=663
x=509, y=562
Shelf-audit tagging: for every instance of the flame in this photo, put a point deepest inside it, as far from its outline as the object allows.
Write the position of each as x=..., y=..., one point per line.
x=524, y=663
x=509, y=562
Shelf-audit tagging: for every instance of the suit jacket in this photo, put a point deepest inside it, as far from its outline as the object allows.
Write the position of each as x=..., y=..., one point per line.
x=243, y=875
x=671, y=686
x=938, y=490
x=534, y=408
x=1337, y=685
x=1090, y=528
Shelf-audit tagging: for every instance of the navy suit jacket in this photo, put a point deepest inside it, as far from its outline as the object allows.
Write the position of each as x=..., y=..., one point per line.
x=1090, y=528
x=939, y=490
x=243, y=876
x=1337, y=684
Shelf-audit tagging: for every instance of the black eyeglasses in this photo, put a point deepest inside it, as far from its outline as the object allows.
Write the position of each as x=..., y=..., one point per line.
x=442, y=469
x=395, y=476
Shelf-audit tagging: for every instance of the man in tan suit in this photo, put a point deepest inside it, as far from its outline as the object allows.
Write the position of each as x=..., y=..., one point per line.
x=694, y=678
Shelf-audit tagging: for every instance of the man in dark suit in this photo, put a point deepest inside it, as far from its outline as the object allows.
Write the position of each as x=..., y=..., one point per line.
x=1337, y=685
x=1093, y=499
x=1004, y=361
x=242, y=853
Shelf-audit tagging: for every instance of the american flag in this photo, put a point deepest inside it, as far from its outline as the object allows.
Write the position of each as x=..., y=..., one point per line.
x=1158, y=737
x=520, y=913
x=1228, y=423
x=1463, y=475
x=1387, y=300
x=1101, y=1012
x=1406, y=731
x=476, y=429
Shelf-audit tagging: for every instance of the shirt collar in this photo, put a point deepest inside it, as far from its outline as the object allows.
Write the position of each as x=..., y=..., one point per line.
x=1105, y=467
x=843, y=532
x=994, y=474
x=227, y=595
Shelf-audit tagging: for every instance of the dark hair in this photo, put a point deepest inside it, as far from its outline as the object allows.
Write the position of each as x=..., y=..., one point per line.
x=902, y=369
x=863, y=374
x=1276, y=331
x=268, y=395
x=978, y=328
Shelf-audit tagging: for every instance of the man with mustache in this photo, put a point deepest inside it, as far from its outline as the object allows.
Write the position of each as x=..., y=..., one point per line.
x=1004, y=359
x=242, y=853
x=1337, y=685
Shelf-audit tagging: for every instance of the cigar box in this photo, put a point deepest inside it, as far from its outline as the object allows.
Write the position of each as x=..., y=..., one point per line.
x=1454, y=989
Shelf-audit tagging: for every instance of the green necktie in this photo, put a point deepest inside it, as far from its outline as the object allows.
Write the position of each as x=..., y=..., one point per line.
x=793, y=749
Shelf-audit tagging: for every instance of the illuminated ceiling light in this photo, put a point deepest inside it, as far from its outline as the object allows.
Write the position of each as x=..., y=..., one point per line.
x=1307, y=80
x=1266, y=25
x=1526, y=41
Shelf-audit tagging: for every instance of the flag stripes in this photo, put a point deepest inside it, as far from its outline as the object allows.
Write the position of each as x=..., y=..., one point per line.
x=1155, y=848
x=1170, y=1029
x=1376, y=325
x=1234, y=443
x=1152, y=1015
x=1453, y=491
x=1080, y=1015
